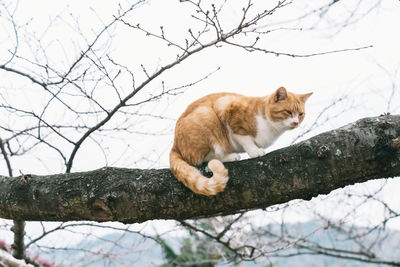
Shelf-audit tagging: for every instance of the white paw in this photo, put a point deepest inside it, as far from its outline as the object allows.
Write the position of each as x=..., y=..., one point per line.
x=231, y=157
x=256, y=152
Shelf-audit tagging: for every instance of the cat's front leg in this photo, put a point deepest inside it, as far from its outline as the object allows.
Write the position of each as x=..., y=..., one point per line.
x=249, y=145
x=219, y=154
x=231, y=157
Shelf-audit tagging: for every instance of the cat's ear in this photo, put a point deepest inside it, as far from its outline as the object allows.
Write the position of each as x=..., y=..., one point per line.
x=304, y=97
x=280, y=94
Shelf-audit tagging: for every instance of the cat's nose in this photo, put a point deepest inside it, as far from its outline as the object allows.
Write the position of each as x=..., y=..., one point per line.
x=295, y=123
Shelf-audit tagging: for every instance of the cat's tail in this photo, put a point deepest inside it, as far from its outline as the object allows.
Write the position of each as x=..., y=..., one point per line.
x=194, y=180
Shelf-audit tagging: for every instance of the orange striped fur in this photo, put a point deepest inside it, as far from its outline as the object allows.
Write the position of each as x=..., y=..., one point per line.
x=217, y=127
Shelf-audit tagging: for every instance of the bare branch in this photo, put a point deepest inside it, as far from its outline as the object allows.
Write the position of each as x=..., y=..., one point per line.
x=118, y=194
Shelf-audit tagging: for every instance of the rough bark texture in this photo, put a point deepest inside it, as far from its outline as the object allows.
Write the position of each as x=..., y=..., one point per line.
x=19, y=234
x=367, y=149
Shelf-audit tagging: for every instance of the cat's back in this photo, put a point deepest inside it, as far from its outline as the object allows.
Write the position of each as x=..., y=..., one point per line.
x=216, y=101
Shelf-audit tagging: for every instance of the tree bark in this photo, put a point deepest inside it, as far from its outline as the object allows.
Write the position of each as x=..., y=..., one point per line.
x=364, y=150
x=18, y=247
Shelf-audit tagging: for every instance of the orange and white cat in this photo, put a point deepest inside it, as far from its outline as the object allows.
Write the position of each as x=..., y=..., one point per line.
x=217, y=127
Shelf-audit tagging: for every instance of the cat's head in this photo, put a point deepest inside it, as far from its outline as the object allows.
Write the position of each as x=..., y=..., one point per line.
x=286, y=109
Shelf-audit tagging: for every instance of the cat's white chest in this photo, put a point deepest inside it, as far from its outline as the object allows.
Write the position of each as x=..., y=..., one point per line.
x=267, y=132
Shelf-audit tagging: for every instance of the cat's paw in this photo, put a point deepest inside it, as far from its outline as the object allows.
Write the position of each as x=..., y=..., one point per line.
x=256, y=152
x=231, y=157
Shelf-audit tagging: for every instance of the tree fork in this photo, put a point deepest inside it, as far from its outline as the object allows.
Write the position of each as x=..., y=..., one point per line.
x=364, y=150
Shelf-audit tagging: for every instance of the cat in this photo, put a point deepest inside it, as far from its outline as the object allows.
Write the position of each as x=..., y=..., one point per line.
x=217, y=127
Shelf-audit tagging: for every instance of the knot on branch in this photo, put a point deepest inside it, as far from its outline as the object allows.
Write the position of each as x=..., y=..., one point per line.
x=396, y=143
x=384, y=124
x=323, y=152
x=24, y=178
x=384, y=121
x=101, y=210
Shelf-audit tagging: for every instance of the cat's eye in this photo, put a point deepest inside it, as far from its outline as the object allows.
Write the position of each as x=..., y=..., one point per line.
x=301, y=114
x=288, y=112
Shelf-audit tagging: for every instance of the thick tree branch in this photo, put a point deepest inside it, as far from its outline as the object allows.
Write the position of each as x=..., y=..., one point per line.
x=364, y=150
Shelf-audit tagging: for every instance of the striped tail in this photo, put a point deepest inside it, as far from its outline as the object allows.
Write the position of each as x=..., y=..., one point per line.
x=194, y=180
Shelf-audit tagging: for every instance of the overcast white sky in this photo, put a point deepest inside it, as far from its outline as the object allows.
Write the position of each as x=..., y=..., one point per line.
x=363, y=78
